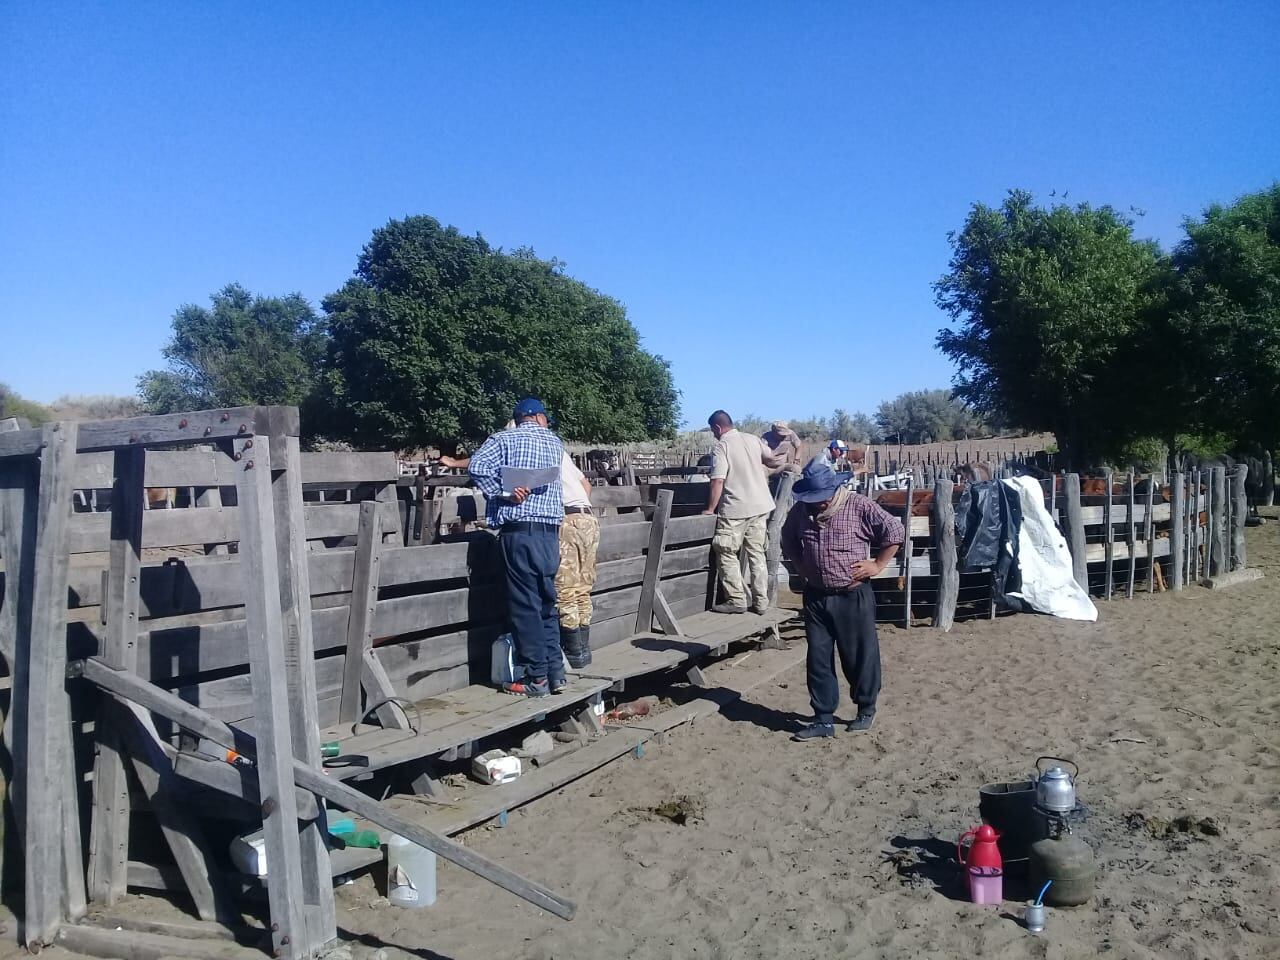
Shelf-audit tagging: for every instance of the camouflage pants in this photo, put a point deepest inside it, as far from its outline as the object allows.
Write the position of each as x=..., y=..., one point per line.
x=579, y=540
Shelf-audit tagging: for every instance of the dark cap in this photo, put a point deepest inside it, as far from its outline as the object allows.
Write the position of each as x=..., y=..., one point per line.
x=818, y=483
x=529, y=407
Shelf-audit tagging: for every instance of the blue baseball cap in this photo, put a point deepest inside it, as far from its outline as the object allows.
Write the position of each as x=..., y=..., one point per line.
x=838, y=445
x=529, y=407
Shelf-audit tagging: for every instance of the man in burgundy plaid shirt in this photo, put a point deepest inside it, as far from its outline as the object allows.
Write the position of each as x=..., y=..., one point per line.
x=838, y=540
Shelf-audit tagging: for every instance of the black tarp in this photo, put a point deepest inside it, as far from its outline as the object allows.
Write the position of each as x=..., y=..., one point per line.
x=988, y=518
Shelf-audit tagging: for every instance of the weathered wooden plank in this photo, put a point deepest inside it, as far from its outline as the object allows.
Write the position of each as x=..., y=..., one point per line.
x=683, y=530
x=782, y=502
x=364, y=597
x=1075, y=528
x=1221, y=558
x=1097, y=552
x=653, y=560
x=1239, y=515
x=290, y=544
x=1177, y=534
x=20, y=443
x=163, y=468
x=91, y=532
x=269, y=669
x=1149, y=535
x=109, y=828
x=174, y=428
x=334, y=469
x=906, y=555
x=331, y=520
x=615, y=498
x=944, y=533
x=42, y=712
x=1109, y=533
x=1131, y=535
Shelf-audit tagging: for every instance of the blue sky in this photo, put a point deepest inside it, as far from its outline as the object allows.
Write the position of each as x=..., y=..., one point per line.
x=767, y=187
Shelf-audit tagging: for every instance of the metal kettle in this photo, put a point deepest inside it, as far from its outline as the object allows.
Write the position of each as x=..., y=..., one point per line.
x=1055, y=788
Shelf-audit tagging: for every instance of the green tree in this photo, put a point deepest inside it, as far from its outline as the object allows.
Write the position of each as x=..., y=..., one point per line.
x=926, y=416
x=246, y=350
x=1044, y=302
x=1219, y=343
x=13, y=404
x=855, y=428
x=438, y=335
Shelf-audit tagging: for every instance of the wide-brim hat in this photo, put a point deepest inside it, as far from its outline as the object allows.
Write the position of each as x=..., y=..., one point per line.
x=817, y=483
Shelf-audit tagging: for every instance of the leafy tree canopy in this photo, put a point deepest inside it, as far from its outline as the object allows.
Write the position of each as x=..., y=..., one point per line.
x=1222, y=338
x=246, y=350
x=926, y=416
x=438, y=336
x=1044, y=300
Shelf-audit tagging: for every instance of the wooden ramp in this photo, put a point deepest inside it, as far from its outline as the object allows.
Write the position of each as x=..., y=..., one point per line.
x=704, y=633
x=450, y=721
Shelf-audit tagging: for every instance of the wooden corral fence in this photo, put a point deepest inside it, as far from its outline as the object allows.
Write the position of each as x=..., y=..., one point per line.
x=285, y=605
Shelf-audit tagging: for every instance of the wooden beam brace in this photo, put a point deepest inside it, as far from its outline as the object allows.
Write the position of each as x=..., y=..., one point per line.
x=653, y=560
x=364, y=598
x=193, y=718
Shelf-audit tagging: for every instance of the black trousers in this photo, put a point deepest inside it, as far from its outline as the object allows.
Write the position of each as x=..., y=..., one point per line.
x=844, y=624
x=531, y=552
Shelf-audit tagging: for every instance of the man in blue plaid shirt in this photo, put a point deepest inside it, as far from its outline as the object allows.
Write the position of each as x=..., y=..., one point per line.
x=528, y=524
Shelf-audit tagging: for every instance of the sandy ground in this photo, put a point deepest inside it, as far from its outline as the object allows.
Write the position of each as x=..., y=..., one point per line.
x=843, y=848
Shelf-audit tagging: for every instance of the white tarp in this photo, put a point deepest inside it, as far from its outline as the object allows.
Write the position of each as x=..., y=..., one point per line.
x=1048, y=585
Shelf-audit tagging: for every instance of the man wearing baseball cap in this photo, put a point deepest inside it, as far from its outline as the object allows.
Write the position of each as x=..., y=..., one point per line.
x=528, y=522
x=835, y=454
x=838, y=540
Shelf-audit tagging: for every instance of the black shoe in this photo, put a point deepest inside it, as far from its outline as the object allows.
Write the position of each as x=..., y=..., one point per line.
x=814, y=731
x=863, y=721
x=728, y=608
x=556, y=685
x=576, y=643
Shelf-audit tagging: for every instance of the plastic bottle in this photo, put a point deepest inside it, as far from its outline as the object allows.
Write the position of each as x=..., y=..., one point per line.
x=411, y=873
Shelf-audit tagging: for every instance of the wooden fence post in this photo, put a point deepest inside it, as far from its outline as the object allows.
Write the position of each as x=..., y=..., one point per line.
x=1149, y=534
x=109, y=828
x=293, y=599
x=1238, y=556
x=1110, y=546
x=19, y=497
x=773, y=551
x=944, y=548
x=1177, y=532
x=269, y=681
x=42, y=712
x=906, y=554
x=1221, y=511
x=364, y=596
x=1075, y=528
x=1131, y=536
x=1268, y=480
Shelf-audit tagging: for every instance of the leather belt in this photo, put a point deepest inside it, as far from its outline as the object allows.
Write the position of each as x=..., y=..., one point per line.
x=586, y=510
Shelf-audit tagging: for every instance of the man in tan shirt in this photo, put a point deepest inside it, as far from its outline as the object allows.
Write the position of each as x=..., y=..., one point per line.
x=741, y=500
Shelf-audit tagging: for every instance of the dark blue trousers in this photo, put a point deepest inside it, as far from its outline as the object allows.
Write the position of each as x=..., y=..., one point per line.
x=531, y=553
x=844, y=625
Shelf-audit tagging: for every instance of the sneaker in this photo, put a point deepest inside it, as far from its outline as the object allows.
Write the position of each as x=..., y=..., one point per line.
x=759, y=611
x=556, y=685
x=728, y=608
x=527, y=688
x=863, y=721
x=814, y=731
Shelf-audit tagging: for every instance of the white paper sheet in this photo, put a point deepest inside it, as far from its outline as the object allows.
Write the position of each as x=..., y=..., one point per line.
x=513, y=477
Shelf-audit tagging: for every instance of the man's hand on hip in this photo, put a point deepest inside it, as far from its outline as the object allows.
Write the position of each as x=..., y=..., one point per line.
x=865, y=570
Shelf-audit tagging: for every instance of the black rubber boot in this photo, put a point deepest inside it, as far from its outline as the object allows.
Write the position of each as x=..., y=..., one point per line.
x=576, y=643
